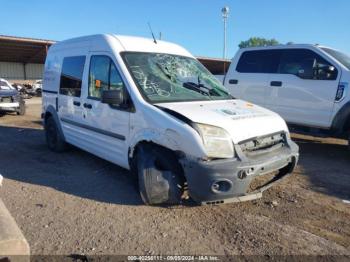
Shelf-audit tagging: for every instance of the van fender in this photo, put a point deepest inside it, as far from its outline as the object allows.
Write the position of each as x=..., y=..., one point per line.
x=168, y=139
x=51, y=111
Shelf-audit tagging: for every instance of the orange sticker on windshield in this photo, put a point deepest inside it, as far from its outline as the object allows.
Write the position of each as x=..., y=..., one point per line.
x=97, y=83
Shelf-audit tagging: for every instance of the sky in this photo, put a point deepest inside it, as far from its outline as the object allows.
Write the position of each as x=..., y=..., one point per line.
x=197, y=25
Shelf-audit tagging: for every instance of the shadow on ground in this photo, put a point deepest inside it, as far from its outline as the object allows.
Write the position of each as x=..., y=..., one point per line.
x=25, y=158
x=327, y=166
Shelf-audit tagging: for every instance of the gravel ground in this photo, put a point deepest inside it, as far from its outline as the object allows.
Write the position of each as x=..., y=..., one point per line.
x=76, y=203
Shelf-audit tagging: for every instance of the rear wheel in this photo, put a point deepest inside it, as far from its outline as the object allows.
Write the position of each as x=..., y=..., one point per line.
x=160, y=176
x=54, y=139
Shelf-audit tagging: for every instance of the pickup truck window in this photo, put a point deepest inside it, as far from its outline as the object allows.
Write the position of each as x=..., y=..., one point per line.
x=306, y=64
x=71, y=75
x=172, y=78
x=103, y=75
x=260, y=61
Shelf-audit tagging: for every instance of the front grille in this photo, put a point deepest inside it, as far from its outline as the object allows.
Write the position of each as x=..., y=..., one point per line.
x=262, y=144
x=6, y=99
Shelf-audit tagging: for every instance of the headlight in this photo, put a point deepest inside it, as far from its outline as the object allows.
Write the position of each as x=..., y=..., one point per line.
x=217, y=142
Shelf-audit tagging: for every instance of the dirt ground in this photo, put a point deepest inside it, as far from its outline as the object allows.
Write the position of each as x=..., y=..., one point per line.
x=76, y=203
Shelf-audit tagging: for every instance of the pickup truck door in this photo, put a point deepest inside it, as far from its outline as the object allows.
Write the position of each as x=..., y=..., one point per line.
x=304, y=89
x=108, y=125
x=248, y=76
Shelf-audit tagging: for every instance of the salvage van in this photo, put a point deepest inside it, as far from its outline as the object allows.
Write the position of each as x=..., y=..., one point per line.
x=149, y=106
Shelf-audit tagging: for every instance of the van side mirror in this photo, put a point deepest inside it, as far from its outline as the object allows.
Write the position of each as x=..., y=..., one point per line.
x=113, y=97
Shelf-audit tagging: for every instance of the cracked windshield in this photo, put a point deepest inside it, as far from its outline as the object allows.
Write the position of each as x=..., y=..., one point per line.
x=171, y=78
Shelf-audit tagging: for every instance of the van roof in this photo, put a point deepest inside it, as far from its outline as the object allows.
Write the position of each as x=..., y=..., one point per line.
x=124, y=43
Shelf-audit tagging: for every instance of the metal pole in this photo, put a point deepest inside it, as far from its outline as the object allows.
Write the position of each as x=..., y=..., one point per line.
x=225, y=11
x=225, y=29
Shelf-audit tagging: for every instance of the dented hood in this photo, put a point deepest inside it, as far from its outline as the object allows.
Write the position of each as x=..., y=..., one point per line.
x=241, y=119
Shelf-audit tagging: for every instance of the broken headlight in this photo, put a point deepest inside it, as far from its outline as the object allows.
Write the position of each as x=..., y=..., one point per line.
x=217, y=142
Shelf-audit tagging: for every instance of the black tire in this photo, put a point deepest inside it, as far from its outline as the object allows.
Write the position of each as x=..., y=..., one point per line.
x=54, y=139
x=38, y=92
x=22, y=109
x=160, y=176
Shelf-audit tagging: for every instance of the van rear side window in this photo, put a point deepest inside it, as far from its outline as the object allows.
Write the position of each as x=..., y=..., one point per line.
x=262, y=61
x=71, y=75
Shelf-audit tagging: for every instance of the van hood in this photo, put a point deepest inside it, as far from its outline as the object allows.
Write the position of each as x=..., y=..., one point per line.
x=241, y=119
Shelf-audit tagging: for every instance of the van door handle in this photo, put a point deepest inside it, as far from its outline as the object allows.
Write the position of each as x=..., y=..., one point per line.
x=276, y=83
x=233, y=81
x=89, y=106
x=76, y=103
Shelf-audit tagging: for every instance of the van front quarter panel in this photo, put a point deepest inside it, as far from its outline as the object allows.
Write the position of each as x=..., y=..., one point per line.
x=150, y=124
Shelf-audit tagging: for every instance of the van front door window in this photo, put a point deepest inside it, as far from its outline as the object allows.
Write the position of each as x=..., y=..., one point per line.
x=103, y=76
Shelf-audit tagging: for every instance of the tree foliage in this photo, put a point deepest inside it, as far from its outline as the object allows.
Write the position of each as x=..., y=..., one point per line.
x=258, y=41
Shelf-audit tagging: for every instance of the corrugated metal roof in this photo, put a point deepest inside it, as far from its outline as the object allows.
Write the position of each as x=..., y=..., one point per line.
x=23, y=50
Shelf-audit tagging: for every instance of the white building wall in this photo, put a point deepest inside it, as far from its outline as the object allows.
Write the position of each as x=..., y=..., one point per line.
x=15, y=71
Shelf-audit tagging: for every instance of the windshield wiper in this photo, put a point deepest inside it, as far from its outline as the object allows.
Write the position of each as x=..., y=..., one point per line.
x=198, y=88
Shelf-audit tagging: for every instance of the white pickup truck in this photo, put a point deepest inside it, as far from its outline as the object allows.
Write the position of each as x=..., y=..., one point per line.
x=308, y=85
x=151, y=107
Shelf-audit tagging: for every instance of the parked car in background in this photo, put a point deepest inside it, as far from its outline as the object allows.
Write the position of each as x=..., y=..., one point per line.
x=18, y=87
x=37, y=88
x=151, y=107
x=308, y=85
x=38, y=84
x=10, y=99
x=5, y=85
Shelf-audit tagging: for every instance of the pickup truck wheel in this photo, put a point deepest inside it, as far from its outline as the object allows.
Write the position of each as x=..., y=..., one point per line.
x=160, y=176
x=54, y=140
x=22, y=109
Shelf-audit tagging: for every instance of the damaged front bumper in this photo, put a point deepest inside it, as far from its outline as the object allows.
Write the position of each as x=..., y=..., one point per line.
x=238, y=179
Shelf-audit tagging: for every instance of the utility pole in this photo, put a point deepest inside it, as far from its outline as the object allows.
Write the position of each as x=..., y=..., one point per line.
x=225, y=11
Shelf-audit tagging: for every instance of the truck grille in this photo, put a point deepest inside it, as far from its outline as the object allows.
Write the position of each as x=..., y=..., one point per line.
x=262, y=144
x=6, y=99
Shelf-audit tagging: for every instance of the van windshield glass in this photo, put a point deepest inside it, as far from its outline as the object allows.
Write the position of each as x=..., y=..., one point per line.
x=341, y=57
x=172, y=78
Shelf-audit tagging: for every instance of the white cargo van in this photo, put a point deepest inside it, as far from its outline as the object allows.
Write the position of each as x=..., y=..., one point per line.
x=151, y=107
x=306, y=84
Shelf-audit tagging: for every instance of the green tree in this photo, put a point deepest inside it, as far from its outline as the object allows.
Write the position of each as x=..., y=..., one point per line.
x=258, y=41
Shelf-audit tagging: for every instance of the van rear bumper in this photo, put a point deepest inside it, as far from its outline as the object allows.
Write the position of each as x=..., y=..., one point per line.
x=234, y=180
